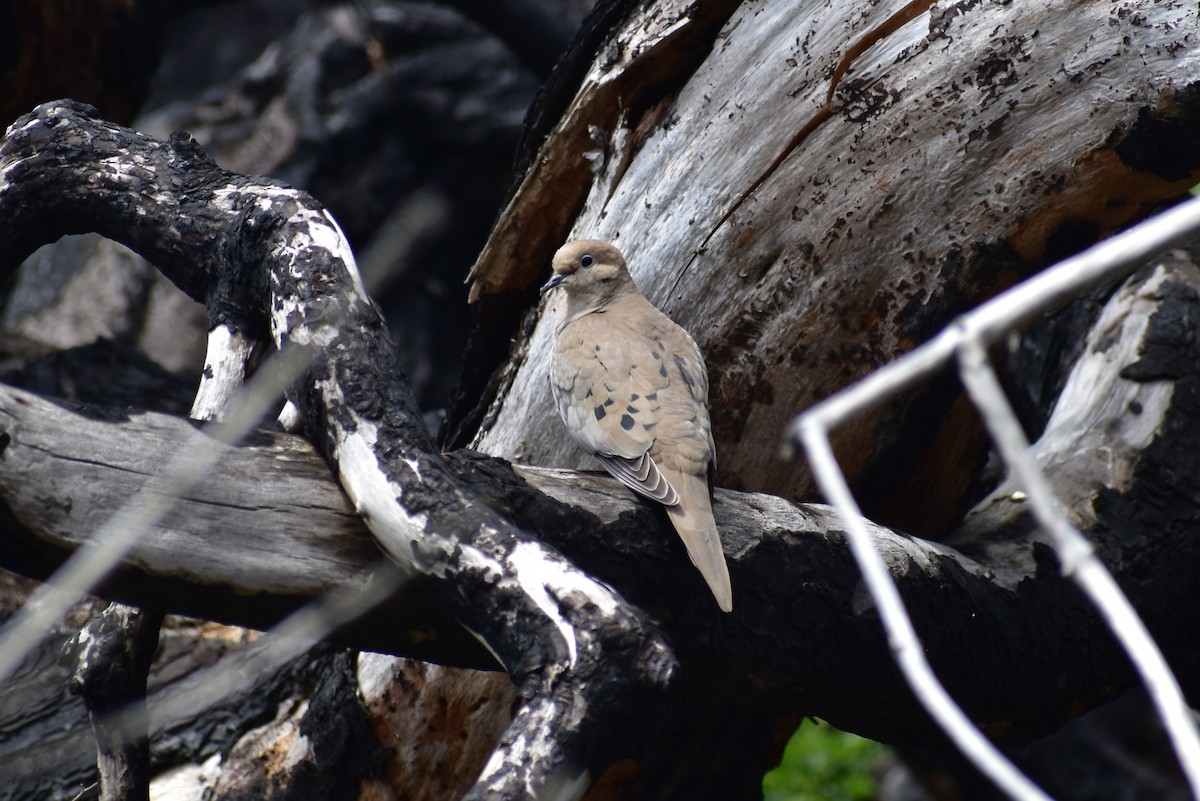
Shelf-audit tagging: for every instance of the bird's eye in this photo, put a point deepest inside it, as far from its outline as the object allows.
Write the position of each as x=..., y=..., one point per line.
x=586, y=260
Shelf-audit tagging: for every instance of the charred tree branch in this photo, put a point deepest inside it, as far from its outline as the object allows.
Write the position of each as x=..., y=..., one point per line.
x=805, y=640
x=269, y=261
x=997, y=598
x=112, y=655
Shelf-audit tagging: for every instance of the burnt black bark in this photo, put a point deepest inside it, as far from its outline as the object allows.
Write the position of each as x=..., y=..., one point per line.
x=803, y=639
x=585, y=657
x=112, y=655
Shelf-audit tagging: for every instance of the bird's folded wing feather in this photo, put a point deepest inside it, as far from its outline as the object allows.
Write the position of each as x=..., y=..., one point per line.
x=606, y=388
x=642, y=476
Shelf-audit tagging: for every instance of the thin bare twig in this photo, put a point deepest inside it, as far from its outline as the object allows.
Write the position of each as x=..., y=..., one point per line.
x=967, y=340
x=1078, y=558
x=902, y=638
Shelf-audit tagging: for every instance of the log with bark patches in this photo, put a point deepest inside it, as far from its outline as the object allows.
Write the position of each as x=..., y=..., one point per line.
x=295, y=537
x=1014, y=642
x=283, y=270
x=811, y=189
x=804, y=639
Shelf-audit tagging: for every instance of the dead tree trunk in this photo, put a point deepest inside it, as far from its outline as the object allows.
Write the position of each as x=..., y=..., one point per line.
x=813, y=188
x=723, y=148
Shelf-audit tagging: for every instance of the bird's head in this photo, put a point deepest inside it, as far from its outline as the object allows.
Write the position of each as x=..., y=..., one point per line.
x=589, y=269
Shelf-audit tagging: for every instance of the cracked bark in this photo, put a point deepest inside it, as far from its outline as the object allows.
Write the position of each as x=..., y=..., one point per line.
x=567, y=640
x=802, y=245
x=995, y=600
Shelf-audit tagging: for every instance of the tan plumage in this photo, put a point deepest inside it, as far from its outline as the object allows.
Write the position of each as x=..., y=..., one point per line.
x=632, y=388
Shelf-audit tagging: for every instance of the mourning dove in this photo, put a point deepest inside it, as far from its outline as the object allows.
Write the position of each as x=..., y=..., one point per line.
x=632, y=388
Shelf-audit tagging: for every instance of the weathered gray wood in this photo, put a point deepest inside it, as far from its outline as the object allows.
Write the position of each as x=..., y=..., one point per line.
x=99, y=464
x=1009, y=598
x=1006, y=603
x=817, y=578
x=267, y=532
x=803, y=244
x=285, y=272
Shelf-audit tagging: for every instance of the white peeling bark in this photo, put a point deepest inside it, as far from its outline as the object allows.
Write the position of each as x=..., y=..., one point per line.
x=225, y=364
x=803, y=245
x=568, y=639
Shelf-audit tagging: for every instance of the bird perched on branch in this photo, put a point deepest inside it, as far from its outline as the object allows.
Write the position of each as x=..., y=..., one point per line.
x=632, y=388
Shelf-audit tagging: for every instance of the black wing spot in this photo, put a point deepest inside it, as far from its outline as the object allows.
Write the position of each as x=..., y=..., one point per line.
x=662, y=370
x=588, y=394
x=631, y=409
x=600, y=412
x=634, y=396
x=627, y=422
x=653, y=396
x=687, y=379
x=608, y=402
x=656, y=356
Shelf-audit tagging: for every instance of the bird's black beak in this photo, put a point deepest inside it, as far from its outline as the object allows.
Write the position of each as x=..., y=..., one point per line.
x=554, y=281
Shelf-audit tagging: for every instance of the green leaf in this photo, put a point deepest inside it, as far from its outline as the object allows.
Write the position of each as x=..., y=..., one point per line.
x=821, y=763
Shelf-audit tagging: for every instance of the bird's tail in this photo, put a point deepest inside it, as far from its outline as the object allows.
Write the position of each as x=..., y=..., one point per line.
x=692, y=517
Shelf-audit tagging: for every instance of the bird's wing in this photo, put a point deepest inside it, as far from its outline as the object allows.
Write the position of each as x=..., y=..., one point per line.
x=684, y=440
x=685, y=453
x=606, y=379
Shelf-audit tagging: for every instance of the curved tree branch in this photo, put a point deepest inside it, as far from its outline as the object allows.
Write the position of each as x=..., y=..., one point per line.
x=286, y=271
x=997, y=598
x=805, y=640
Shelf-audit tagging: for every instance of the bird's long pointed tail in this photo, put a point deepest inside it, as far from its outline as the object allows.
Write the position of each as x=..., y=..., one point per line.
x=693, y=519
